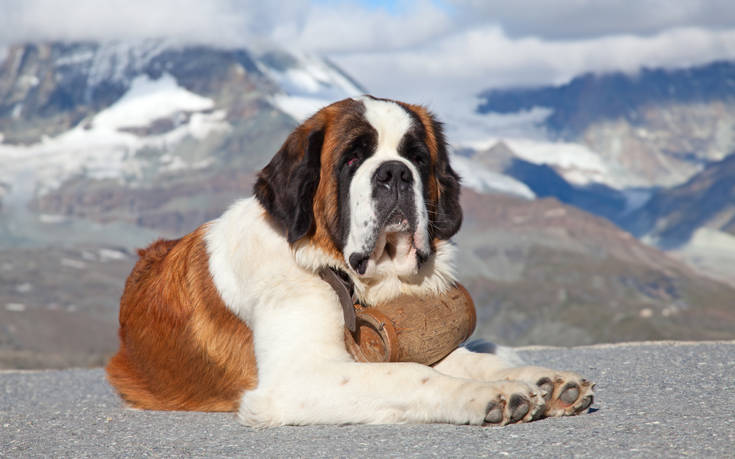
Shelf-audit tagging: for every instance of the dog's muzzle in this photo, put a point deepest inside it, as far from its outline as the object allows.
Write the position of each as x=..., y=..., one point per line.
x=393, y=195
x=395, y=212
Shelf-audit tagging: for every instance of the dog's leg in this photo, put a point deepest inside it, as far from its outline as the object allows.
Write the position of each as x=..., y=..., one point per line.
x=566, y=393
x=306, y=376
x=385, y=393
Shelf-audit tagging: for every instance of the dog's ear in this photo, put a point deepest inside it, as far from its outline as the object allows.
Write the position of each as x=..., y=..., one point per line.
x=448, y=218
x=286, y=186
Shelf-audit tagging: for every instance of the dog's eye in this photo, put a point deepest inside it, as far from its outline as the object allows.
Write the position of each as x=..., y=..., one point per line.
x=417, y=156
x=358, y=149
x=351, y=161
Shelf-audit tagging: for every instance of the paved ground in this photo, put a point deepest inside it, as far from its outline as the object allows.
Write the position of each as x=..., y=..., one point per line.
x=653, y=399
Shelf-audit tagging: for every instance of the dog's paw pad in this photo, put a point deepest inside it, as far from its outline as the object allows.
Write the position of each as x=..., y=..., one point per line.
x=519, y=407
x=495, y=412
x=567, y=394
x=517, y=402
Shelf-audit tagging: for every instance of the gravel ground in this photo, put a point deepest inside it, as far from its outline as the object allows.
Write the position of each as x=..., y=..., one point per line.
x=653, y=399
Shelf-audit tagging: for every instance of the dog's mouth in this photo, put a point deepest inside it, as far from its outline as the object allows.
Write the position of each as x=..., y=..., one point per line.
x=397, y=222
x=395, y=248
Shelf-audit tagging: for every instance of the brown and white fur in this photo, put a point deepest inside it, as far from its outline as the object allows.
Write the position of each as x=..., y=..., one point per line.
x=234, y=316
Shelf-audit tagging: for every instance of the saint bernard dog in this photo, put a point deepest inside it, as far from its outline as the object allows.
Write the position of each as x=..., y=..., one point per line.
x=235, y=317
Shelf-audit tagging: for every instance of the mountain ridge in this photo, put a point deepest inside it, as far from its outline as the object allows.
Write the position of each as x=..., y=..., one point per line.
x=657, y=128
x=592, y=97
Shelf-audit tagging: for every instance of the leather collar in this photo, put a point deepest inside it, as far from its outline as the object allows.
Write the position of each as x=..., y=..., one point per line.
x=342, y=284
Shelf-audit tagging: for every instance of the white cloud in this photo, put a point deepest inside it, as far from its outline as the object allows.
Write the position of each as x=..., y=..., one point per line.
x=232, y=22
x=319, y=26
x=481, y=57
x=349, y=27
x=420, y=50
x=564, y=19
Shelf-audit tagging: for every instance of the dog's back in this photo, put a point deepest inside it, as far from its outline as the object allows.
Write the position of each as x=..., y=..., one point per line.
x=180, y=347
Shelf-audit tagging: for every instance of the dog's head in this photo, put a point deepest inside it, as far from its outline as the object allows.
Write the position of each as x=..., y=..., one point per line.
x=368, y=183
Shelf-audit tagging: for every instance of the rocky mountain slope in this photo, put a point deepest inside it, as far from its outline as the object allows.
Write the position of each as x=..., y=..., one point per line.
x=591, y=98
x=673, y=215
x=58, y=305
x=543, y=180
x=544, y=272
x=695, y=220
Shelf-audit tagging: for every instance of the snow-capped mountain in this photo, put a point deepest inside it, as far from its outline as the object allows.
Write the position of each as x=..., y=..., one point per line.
x=75, y=118
x=655, y=128
x=307, y=82
x=626, y=147
x=85, y=111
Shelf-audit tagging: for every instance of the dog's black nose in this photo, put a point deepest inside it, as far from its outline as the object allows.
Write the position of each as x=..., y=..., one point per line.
x=394, y=175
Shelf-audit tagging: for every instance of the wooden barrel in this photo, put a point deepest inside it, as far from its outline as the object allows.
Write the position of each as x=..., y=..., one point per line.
x=412, y=328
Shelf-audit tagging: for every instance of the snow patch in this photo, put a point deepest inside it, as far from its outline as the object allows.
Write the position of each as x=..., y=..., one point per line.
x=71, y=263
x=116, y=61
x=308, y=85
x=203, y=124
x=99, y=150
x=635, y=198
x=711, y=252
x=172, y=163
x=525, y=134
x=148, y=100
x=575, y=162
x=465, y=126
x=51, y=219
x=300, y=108
x=109, y=254
x=485, y=181
x=712, y=240
x=15, y=307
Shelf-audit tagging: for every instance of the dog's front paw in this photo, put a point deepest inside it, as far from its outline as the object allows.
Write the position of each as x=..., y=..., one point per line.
x=515, y=402
x=565, y=393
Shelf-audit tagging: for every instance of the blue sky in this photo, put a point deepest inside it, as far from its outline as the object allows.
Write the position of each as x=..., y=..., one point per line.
x=393, y=7
x=387, y=5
